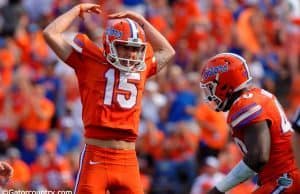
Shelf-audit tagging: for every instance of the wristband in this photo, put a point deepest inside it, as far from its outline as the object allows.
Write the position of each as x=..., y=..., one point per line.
x=240, y=173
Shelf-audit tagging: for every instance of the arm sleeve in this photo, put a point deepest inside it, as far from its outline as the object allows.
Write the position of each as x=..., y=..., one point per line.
x=79, y=43
x=244, y=113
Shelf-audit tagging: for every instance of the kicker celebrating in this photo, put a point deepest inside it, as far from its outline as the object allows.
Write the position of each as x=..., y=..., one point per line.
x=111, y=82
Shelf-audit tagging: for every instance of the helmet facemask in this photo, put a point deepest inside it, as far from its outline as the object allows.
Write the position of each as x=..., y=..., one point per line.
x=126, y=63
x=210, y=95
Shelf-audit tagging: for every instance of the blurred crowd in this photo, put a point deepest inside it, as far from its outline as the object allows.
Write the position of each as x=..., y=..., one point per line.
x=183, y=145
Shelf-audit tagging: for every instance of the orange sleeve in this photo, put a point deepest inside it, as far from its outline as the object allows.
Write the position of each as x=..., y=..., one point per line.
x=34, y=123
x=80, y=45
x=73, y=59
x=247, y=111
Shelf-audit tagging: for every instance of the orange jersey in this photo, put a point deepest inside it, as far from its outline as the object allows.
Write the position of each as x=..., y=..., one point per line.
x=111, y=99
x=33, y=122
x=259, y=105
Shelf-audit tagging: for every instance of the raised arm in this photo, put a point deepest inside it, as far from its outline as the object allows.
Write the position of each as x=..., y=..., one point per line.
x=53, y=32
x=163, y=51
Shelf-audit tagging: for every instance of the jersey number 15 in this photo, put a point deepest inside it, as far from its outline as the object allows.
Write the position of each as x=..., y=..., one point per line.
x=123, y=85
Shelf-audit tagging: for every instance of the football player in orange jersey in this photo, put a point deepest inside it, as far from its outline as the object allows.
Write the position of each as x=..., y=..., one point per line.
x=258, y=125
x=111, y=83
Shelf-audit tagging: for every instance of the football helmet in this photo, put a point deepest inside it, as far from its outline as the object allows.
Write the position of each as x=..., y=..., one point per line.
x=128, y=34
x=223, y=75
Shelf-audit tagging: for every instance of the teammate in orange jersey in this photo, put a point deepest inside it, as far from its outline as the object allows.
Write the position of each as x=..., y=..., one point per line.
x=258, y=126
x=111, y=83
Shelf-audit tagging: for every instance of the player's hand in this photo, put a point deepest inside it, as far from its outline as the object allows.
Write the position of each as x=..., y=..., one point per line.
x=6, y=172
x=126, y=14
x=89, y=8
x=215, y=191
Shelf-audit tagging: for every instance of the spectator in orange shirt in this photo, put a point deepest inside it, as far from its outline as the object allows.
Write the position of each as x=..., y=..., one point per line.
x=150, y=141
x=158, y=15
x=50, y=170
x=21, y=177
x=221, y=20
x=185, y=12
x=38, y=112
x=214, y=132
x=7, y=61
x=249, y=28
x=184, y=140
x=9, y=113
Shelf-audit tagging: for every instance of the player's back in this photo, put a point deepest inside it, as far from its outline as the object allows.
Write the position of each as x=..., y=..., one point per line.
x=258, y=105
